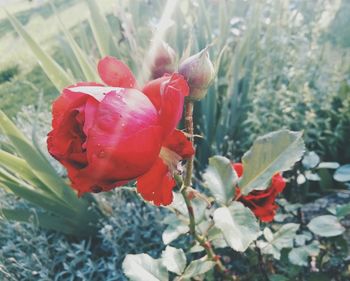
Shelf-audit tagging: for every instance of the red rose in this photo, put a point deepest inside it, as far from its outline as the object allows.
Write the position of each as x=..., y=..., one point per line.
x=107, y=136
x=261, y=202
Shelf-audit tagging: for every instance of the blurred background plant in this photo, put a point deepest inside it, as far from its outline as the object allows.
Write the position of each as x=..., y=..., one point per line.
x=279, y=64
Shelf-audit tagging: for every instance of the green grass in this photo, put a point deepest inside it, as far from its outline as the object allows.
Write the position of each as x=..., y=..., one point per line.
x=19, y=91
x=44, y=10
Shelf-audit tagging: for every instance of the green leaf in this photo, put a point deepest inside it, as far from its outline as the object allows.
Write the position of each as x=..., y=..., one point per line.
x=174, y=229
x=310, y=160
x=272, y=153
x=197, y=267
x=343, y=210
x=283, y=238
x=142, y=267
x=299, y=256
x=100, y=29
x=328, y=165
x=199, y=206
x=53, y=70
x=238, y=225
x=326, y=226
x=18, y=166
x=220, y=179
x=301, y=239
x=342, y=174
x=196, y=249
x=174, y=260
x=35, y=196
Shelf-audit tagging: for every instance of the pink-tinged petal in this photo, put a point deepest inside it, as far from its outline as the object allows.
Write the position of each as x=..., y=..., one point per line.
x=126, y=137
x=115, y=73
x=157, y=184
x=69, y=99
x=178, y=142
x=167, y=94
x=96, y=92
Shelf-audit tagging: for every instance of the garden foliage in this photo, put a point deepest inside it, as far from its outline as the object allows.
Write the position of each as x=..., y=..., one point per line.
x=251, y=86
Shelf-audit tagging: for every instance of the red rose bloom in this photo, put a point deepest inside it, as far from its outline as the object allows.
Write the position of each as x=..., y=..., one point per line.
x=261, y=202
x=108, y=135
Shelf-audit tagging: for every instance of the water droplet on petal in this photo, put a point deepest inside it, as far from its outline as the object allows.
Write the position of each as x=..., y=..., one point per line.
x=101, y=154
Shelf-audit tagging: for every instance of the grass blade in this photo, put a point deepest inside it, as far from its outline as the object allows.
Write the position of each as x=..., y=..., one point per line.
x=40, y=166
x=52, y=69
x=88, y=71
x=19, y=167
x=101, y=30
x=47, y=221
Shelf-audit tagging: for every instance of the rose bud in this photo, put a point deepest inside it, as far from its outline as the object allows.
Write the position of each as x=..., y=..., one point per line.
x=164, y=60
x=198, y=71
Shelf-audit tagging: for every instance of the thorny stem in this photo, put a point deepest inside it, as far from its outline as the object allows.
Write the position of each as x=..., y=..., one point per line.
x=202, y=240
x=190, y=131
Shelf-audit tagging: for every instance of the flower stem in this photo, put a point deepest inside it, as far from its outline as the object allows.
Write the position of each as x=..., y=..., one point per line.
x=190, y=132
x=202, y=240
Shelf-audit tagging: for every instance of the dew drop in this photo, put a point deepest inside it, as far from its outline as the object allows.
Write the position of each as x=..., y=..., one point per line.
x=101, y=154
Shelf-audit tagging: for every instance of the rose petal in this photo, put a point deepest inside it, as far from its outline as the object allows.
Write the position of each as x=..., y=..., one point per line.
x=178, y=142
x=167, y=94
x=157, y=184
x=115, y=73
x=278, y=182
x=238, y=167
x=261, y=202
x=125, y=139
x=153, y=90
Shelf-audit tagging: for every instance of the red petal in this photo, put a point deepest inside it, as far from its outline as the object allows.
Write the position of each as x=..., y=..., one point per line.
x=238, y=167
x=157, y=184
x=115, y=73
x=68, y=111
x=83, y=181
x=179, y=143
x=167, y=95
x=266, y=213
x=126, y=137
x=153, y=90
x=278, y=182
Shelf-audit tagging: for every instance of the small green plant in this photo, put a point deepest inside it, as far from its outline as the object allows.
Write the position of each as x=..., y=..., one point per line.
x=8, y=73
x=26, y=172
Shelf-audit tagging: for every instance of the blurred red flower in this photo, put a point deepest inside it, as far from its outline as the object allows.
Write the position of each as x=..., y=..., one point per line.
x=261, y=202
x=108, y=135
